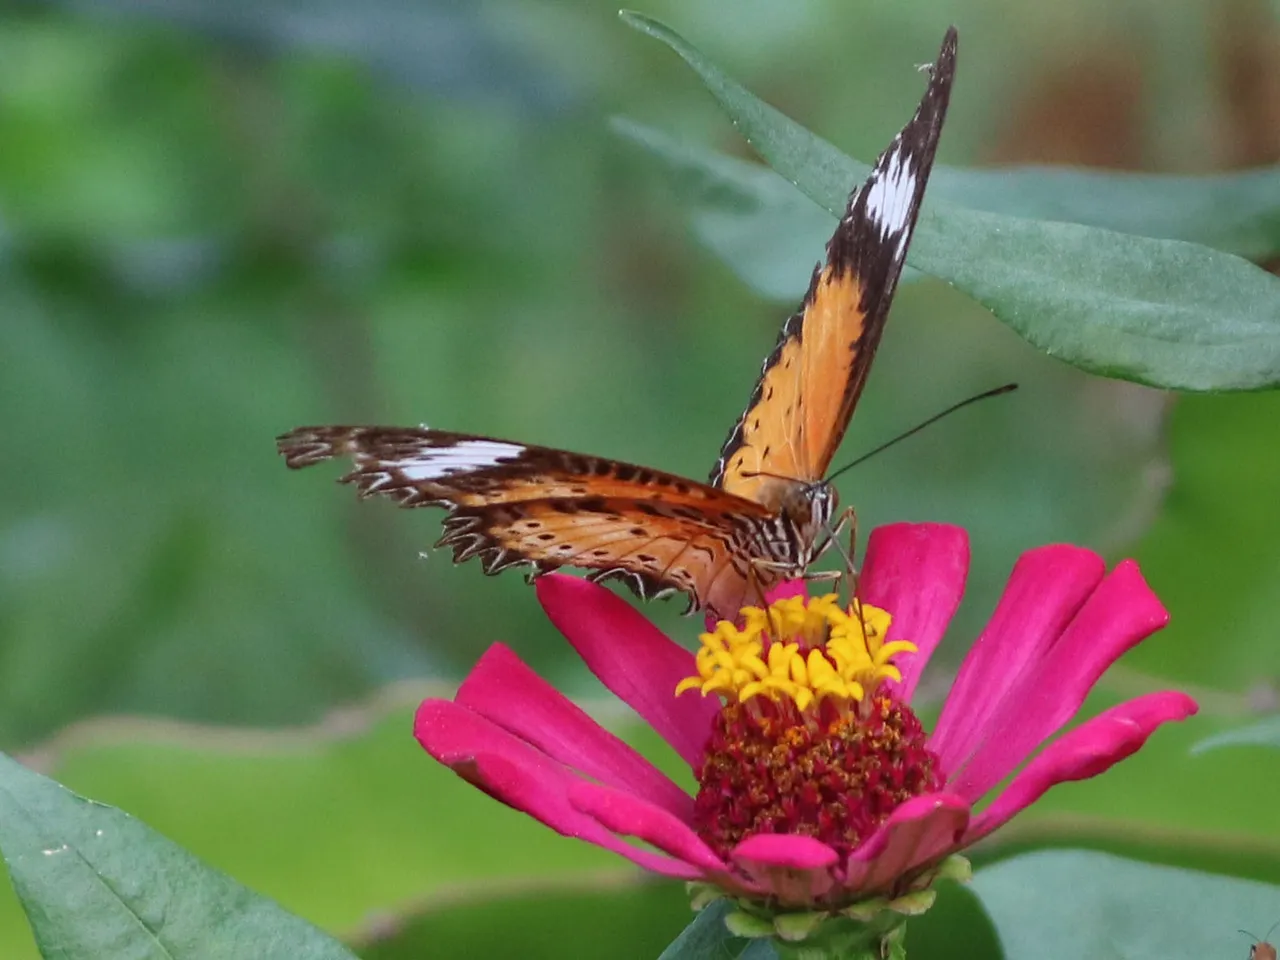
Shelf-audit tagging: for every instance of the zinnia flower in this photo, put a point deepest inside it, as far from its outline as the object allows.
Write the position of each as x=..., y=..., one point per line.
x=821, y=799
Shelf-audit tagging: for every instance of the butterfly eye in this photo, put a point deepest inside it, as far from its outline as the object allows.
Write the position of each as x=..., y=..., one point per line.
x=823, y=497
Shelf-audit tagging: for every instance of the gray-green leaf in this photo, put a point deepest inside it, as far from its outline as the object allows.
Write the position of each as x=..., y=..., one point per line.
x=1162, y=312
x=97, y=883
x=1064, y=905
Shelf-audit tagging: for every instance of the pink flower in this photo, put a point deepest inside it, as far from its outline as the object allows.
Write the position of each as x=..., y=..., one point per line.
x=763, y=825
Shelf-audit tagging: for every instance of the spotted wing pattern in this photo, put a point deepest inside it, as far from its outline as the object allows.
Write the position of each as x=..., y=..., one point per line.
x=811, y=382
x=512, y=504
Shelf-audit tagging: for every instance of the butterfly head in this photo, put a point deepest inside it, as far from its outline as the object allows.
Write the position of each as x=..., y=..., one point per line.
x=808, y=508
x=1262, y=949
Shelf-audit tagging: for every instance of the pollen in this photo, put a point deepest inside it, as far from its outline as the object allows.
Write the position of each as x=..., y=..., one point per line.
x=803, y=650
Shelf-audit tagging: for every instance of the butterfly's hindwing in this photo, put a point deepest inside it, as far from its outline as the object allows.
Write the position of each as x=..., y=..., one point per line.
x=654, y=546
x=811, y=381
x=512, y=504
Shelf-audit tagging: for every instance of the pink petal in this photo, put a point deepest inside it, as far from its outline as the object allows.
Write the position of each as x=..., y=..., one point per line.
x=795, y=869
x=1121, y=612
x=1047, y=587
x=518, y=775
x=787, y=589
x=919, y=832
x=505, y=690
x=633, y=658
x=1085, y=752
x=631, y=816
x=916, y=571
x=789, y=851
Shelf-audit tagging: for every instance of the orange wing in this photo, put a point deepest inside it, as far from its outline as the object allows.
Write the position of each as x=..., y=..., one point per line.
x=512, y=504
x=810, y=383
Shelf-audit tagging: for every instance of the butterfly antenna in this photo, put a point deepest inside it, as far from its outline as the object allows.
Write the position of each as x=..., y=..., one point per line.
x=1257, y=939
x=1007, y=388
x=849, y=567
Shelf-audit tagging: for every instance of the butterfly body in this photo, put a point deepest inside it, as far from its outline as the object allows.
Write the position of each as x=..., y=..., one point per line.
x=803, y=511
x=767, y=512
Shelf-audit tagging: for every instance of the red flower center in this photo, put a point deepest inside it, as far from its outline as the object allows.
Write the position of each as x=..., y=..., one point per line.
x=834, y=773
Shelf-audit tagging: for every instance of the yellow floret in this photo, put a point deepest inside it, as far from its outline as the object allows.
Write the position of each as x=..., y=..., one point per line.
x=802, y=649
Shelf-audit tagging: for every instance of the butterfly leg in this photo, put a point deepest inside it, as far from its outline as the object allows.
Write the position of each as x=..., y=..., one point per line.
x=759, y=569
x=849, y=517
x=821, y=576
x=779, y=569
x=855, y=593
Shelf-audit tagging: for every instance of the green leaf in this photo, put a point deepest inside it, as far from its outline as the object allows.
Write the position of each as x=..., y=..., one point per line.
x=767, y=232
x=1264, y=733
x=279, y=810
x=706, y=936
x=97, y=883
x=1234, y=212
x=1162, y=312
x=770, y=234
x=1069, y=904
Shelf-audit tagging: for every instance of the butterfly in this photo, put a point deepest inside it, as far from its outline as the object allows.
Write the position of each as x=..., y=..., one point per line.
x=767, y=512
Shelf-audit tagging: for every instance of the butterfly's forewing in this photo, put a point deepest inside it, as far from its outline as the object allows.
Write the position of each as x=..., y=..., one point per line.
x=512, y=504
x=811, y=381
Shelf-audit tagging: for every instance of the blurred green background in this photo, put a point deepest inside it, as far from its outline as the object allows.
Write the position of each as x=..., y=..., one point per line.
x=220, y=220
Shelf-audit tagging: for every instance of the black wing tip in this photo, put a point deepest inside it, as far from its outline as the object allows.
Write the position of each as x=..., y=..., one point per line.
x=918, y=139
x=941, y=74
x=947, y=54
x=943, y=68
